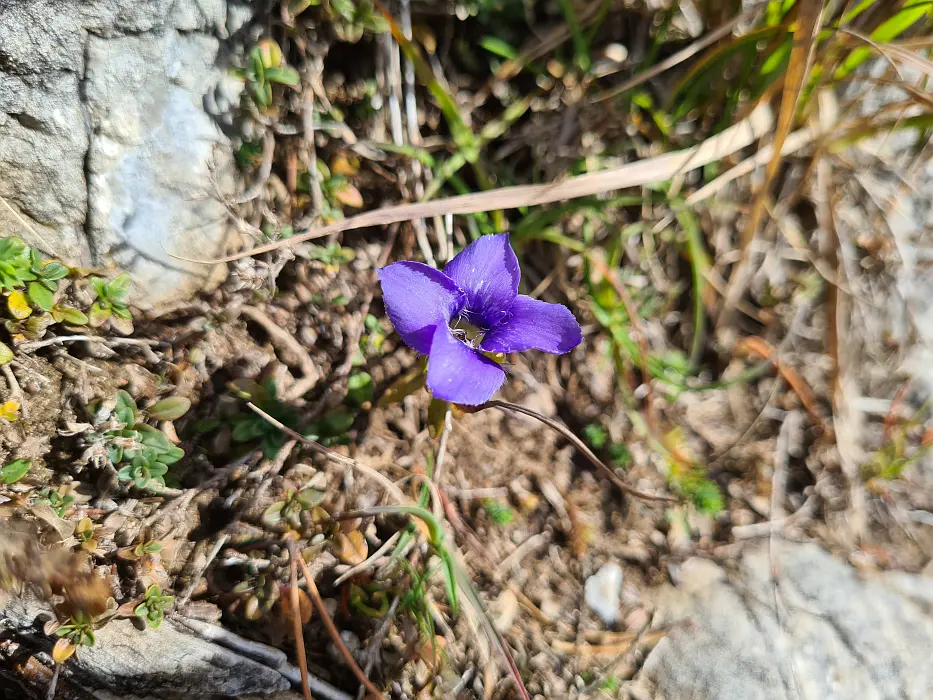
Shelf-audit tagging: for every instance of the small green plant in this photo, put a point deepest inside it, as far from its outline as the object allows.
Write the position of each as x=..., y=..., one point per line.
x=59, y=501
x=147, y=547
x=330, y=429
x=337, y=189
x=121, y=436
x=77, y=631
x=46, y=274
x=111, y=303
x=85, y=532
x=353, y=19
x=265, y=67
x=689, y=479
x=499, y=513
x=596, y=435
x=257, y=594
x=610, y=684
x=294, y=511
x=15, y=264
x=31, y=282
x=154, y=606
x=249, y=427
x=333, y=255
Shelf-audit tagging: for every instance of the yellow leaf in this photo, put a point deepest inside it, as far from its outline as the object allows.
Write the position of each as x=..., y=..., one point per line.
x=349, y=196
x=342, y=165
x=18, y=305
x=351, y=548
x=62, y=651
x=9, y=410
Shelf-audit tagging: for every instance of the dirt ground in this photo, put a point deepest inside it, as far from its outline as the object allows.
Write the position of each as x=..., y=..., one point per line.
x=788, y=404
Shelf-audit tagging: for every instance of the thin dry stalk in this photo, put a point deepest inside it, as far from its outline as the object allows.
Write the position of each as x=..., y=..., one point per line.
x=719, y=33
x=577, y=442
x=325, y=618
x=296, y=622
x=649, y=170
x=809, y=14
x=366, y=471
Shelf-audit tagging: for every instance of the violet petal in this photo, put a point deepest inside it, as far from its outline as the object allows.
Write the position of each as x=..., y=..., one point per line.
x=487, y=270
x=534, y=325
x=418, y=299
x=460, y=374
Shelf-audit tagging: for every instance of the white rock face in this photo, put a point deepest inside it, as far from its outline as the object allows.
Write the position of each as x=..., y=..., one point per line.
x=602, y=592
x=835, y=635
x=105, y=148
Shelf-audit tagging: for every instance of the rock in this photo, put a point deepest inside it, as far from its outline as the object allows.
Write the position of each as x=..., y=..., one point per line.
x=602, y=592
x=167, y=662
x=506, y=610
x=836, y=635
x=105, y=149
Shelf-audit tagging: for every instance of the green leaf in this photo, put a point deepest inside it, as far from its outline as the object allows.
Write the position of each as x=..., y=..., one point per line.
x=99, y=314
x=125, y=408
x=14, y=471
x=52, y=271
x=117, y=288
x=359, y=389
x=40, y=296
x=335, y=423
x=286, y=75
x=171, y=408
x=68, y=314
x=345, y=8
x=247, y=430
x=172, y=455
x=6, y=354
x=121, y=311
x=153, y=437
x=498, y=47
x=125, y=473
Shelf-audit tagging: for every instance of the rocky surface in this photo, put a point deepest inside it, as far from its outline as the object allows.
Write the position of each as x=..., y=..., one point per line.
x=815, y=629
x=169, y=662
x=106, y=152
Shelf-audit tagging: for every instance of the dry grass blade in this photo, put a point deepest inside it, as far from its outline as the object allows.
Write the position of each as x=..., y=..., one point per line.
x=808, y=22
x=761, y=348
x=296, y=623
x=642, y=172
x=892, y=51
x=328, y=623
x=679, y=57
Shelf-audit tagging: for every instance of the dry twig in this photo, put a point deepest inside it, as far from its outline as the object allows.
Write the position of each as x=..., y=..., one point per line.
x=328, y=623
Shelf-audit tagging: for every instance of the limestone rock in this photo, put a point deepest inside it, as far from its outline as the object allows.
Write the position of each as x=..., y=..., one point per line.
x=833, y=634
x=106, y=151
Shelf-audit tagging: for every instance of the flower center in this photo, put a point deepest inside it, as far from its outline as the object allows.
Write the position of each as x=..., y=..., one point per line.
x=466, y=332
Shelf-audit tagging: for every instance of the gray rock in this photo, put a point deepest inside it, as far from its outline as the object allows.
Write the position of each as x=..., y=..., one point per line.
x=823, y=633
x=169, y=662
x=106, y=151
x=603, y=590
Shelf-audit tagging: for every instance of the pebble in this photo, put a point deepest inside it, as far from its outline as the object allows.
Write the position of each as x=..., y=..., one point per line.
x=637, y=620
x=507, y=608
x=551, y=607
x=602, y=592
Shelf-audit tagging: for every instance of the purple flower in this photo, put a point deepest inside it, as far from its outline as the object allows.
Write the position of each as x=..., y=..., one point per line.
x=471, y=308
